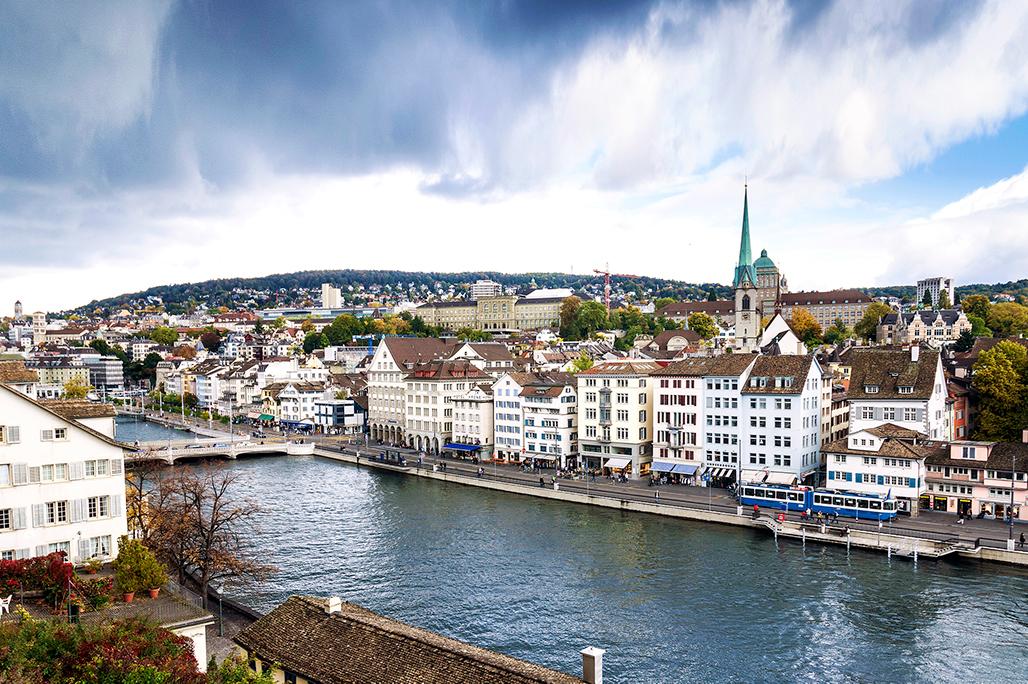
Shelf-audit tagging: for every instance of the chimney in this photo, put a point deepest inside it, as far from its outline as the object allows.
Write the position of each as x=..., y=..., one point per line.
x=333, y=604
x=915, y=353
x=592, y=665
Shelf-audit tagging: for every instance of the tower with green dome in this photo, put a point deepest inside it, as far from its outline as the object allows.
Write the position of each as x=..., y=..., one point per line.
x=758, y=285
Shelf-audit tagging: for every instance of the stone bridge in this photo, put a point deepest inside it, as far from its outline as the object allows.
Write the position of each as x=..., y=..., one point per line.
x=183, y=450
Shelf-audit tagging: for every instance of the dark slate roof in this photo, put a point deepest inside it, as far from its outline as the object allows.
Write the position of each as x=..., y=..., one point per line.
x=1000, y=458
x=836, y=296
x=928, y=317
x=444, y=370
x=357, y=646
x=407, y=351
x=771, y=367
x=891, y=448
x=889, y=369
x=492, y=351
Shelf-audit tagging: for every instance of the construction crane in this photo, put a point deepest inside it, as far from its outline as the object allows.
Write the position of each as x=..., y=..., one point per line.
x=606, y=282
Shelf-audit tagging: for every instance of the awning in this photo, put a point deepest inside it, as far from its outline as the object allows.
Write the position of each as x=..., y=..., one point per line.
x=253, y=415
x=266, y=416
x=781, y=478
x=683, y=469
x=298, y=423
x=539, y=457
x=617, y=462
x=662, y=467
x=462, y=447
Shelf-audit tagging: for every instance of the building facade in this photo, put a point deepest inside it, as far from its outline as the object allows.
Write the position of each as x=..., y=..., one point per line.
x=616, y=416
x=501, y=314
x=929, y=326
x=431, y=388
x=394, y=358
x=935, y=286
x=550, y=407
x=905, y=388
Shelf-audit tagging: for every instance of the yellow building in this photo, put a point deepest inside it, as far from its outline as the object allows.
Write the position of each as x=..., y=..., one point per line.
x=506, y=313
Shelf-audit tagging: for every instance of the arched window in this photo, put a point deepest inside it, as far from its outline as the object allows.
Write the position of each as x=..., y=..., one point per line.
x=745, y=302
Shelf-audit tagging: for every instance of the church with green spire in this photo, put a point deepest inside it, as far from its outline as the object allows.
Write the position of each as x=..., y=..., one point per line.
x=758, y=287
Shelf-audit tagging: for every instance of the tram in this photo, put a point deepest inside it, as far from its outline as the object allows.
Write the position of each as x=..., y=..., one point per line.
x=844, y=504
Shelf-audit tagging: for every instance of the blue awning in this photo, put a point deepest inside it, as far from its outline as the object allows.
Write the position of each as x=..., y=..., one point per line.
x=661, y=467
x=682, y=469
x=462, y=447
x=298, y=423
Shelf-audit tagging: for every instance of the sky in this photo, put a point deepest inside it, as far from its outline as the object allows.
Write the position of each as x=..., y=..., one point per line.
x=152, y=143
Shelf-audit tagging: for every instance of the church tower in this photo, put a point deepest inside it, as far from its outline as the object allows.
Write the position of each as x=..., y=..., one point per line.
x=747, y=298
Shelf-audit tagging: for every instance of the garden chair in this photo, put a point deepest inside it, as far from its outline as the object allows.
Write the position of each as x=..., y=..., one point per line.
x=5, y=605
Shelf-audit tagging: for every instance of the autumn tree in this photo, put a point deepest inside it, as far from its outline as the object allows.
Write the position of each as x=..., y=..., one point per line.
x=184, y=351
x=1008, y=319
x=805, y=325
x=307, y=325
x=867, y=327
x=75, y=388
x=1000, y=376
x=211, y=340
x=583, y=363
x=569, y=318
x=976, y=305
x=703, y=325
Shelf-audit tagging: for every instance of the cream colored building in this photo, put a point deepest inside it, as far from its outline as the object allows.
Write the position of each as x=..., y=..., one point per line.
x=615, y=416
x=394, y=358
x=431, y=389
x=507, y=313
x=932, y=327
x=473, y=421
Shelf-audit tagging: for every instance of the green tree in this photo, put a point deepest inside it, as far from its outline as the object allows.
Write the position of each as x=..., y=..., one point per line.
x=702, y=324
x=583, y=362
x=964, y=342
x=1000, y=376
x=162, y=334
x=1008, y=319
x=867, y=327
x=472, y=335
x=837, y=332
x=76, y=389
x=661, y=302
x=569, y=309
x=926, y=301
x=978, y=327
x=315, y=340
x=976, y=305
x=234, y=670
x=592, y=316
x=944, y=302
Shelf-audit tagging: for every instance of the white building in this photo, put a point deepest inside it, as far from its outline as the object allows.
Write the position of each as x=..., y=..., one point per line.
x=887, y=460
x=431, y=388
x=549, y=404
x=698, y=417
x=508, y=420
x=935, y=286
x=473, y=422
x=615, y=416
x=906, y=388
x=492, y=357
x=781, y=402
x=61, y=481
x=482, y=289
x=339, y=416
x=330, y=297
x=394, y=358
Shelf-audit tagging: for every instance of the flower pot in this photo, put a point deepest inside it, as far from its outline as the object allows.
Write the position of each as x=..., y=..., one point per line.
x=154, y=592
x=128, y=596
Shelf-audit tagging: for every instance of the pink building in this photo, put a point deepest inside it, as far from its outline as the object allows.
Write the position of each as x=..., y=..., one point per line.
x=971, y=477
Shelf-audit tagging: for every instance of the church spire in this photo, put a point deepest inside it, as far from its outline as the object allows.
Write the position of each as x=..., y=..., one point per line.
x=744, y=269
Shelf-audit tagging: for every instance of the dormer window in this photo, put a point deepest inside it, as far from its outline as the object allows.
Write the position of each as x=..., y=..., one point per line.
x=905, y=389
x=967, y=452
x=871, y=389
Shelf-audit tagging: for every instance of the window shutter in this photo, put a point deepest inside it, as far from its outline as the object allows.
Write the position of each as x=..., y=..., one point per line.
x=83, y=549
x=115, y=466
x=46, y=435
x=22, y=554
x=831, y=475
x=38, y=514
x=849, y=477
x=79, y=508
x=20, y=522
x=860, y=477
x=33, y=473
x=20, y=473
x=12, y=434
x=116, y=505
x=881, y=479
x=76, y=470
x=911, y=482
x=41, y=550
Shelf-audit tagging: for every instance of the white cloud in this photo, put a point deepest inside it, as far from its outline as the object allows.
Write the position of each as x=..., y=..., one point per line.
x=1004, y=193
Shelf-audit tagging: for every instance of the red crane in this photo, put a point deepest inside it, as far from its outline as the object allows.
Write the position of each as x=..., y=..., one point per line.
x=606, y=283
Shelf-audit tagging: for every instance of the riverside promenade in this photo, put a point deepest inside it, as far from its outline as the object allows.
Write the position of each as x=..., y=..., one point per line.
x=930, y=535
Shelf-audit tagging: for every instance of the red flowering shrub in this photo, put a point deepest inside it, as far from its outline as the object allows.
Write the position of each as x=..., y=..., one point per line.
x=49, y=574
x=94, y=593
x=125, y=652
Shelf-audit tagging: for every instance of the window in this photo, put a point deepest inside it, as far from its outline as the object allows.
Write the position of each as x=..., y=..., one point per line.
x=967, y=452
x=6, y=518
x=5, y=475
x=96, y=468
x=909, y=414
x=56, y=512
x=100, y=546
x=99, y=506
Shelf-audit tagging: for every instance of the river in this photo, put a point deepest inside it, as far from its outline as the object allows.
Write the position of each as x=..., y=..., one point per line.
x=670, y=600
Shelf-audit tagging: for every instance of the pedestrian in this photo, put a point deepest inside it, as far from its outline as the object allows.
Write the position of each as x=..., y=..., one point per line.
x=656, y=495
x=542, y=483
x=1020, y=541
x=756, y=510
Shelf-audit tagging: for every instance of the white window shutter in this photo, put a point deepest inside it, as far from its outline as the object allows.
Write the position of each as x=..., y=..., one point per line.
x=20, y=473
x=12, y=434
x=20, y=522
x=33, y=474
x=116, y=466
x=83, y=549
x=22, y=554
x=38, y=515
x=76, y=470
x=116, y=506
x=41, y=550
x=79, y=508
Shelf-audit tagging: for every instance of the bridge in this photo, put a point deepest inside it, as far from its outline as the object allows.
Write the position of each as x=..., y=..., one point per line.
x=173, y=451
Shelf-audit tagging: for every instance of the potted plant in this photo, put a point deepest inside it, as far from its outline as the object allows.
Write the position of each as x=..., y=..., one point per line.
x=152, y=574
x=128, y=566
x=94, y=565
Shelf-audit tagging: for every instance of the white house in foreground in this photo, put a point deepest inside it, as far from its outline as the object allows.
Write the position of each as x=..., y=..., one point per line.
x=61, y=480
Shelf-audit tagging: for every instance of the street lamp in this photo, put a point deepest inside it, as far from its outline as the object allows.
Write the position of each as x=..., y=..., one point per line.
x=221, y=616
x=1013, y=484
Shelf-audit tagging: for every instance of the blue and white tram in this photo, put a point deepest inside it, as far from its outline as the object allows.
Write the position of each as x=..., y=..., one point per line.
x=781, y=497
x=826, y=501
x=853, y=505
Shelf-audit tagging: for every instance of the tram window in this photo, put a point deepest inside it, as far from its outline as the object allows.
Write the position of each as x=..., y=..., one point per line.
x=862, y=503
x=821, y=499
x=780, y=496
x=851, y=503
x=794, y=496
x=890, y=505
x=836, y=500
x=747, y=491
x=876, y=505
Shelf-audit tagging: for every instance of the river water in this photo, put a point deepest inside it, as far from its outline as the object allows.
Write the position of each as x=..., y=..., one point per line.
x=670, y=600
